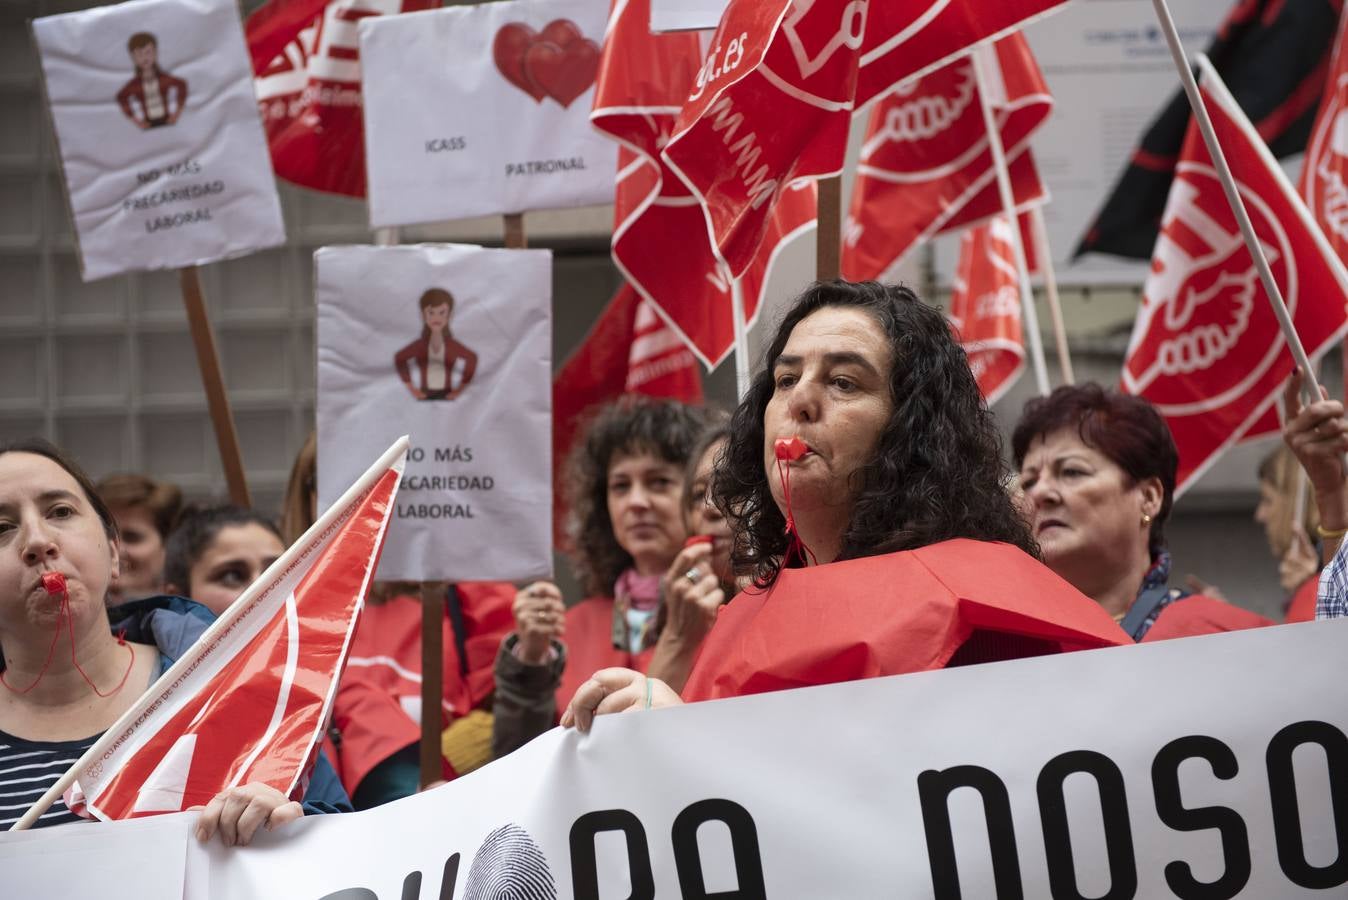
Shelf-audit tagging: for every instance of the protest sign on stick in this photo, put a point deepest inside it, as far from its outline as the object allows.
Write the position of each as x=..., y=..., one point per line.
x=452, y=345
x=504, y=129
x=164, y=158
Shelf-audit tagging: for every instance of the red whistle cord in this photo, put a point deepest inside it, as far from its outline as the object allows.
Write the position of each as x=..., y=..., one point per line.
x=796, y=549
x=55, y=583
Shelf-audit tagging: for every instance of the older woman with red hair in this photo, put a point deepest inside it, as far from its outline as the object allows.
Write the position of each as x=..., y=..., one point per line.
x=1097, y=469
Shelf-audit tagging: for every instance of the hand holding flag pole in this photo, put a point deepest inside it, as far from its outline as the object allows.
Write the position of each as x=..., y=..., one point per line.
x=1031, y=316
x=1223, y=170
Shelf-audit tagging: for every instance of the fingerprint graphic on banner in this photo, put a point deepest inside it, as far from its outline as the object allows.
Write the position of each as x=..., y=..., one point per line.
x=510, y=866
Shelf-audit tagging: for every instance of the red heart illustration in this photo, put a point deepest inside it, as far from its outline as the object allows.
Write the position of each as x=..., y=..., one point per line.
x=508, y=48
x=563, y=72
x=562, y=32
x=559, y=62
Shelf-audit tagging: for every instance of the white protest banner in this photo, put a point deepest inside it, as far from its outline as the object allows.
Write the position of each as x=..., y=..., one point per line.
x=481, y=110
x=165, y=160
x=1206, y=767
x=452, y=345
x=686, y=15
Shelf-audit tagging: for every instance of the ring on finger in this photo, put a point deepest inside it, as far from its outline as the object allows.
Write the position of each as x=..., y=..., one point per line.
x=693, y=575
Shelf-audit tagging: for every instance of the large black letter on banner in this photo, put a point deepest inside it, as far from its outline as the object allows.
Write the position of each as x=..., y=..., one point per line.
x=934, y=789
x=743, y=842
x=1282, y=787
x=585, y=867
x=1062, y=874
x=1227, y=822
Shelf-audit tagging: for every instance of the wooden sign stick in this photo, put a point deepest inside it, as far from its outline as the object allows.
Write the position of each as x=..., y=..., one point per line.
x=217, y=401
x=432, y=680
x=828, y=259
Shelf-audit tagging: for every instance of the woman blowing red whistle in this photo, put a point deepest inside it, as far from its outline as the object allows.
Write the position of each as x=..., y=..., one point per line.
x=68, y=672
x=911, y=554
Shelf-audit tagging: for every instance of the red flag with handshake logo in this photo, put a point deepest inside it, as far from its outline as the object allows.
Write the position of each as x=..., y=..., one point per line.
x=774, y=98
x=1206, y=349
x=307, y=63
x=925, y=165
x=249, y=701
x=660, y=238
x=985, y=308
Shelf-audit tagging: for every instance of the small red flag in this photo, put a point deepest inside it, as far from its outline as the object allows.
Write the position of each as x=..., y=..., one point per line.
x=985, y=307
x=630, y=349
x=1206, y=348
x=307, y=63
x=925, y=165
x=249, y=701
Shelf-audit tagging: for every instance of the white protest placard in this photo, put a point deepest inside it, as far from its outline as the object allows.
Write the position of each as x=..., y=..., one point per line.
x=686, y=15
x=483, y=110
x=165, y=160
x=452, y=345
x=1204, y=767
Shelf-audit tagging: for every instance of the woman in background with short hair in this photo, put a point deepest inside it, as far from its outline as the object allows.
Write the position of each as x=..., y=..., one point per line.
x=1097, y=469
x=146, y=510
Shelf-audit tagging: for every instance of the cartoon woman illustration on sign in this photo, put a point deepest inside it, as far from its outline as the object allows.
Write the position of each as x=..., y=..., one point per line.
x=446, y=366
x=152, y=97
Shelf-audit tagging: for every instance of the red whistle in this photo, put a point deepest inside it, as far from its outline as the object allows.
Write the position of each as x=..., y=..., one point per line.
x=790, y=449
x=54, y=583
x=697, y=539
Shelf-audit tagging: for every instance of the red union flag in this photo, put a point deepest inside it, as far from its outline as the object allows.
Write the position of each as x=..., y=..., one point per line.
x=660, y=238
x=1323, y=177
x=985, y=307
x=308, y=87
x=925, y=165
x=630, y=349
x=770, y=105
x=912, y=38
x=774, y=97
x=250, y=700
x=1206, y=348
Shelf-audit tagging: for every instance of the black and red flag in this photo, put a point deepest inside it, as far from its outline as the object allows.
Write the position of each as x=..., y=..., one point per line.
x=1274, y=57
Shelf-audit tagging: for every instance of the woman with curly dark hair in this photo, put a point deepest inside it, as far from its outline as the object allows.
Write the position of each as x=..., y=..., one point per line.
x=863, y=480
x=625, y=526
x=1097, y=469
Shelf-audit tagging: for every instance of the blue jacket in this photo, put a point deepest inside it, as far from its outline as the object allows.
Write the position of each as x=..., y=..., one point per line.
x=172, y=625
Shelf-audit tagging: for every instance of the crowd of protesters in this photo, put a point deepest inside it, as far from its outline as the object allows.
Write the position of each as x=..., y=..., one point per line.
x=718, y=556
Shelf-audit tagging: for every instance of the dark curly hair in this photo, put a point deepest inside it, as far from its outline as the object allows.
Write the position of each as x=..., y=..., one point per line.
x=1126, y=429
x=630, y=425
x=937, y=473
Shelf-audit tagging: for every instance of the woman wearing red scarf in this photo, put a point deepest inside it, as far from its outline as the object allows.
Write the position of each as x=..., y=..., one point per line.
x=880, y=539
x=625, y=528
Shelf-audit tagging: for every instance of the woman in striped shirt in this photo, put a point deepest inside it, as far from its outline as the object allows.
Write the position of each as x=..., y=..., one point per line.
x=66, y=676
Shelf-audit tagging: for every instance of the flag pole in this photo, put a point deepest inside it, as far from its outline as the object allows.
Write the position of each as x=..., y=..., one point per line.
x=213, y=382
x=741, y=334
x=1044, y=256
x=1028, y=311
x=828, y=239
x=226, y=621
x=1228, y=181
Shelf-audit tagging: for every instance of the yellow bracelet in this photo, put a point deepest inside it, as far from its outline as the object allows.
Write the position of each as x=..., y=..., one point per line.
x=1328, y=534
